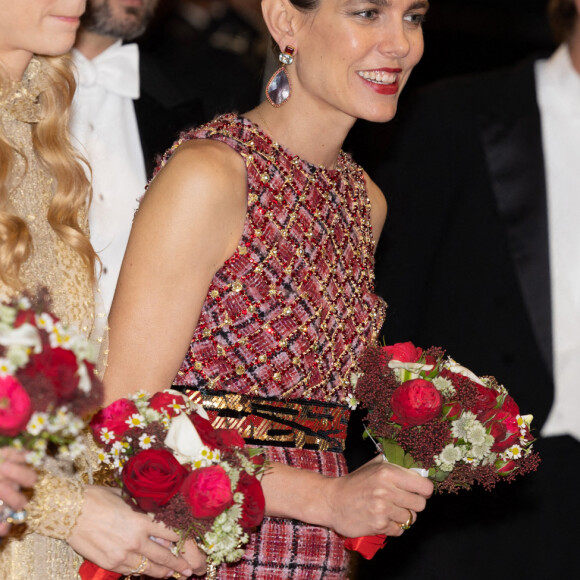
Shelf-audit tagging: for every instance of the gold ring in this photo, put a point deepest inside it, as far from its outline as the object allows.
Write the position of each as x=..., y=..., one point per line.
x=409, y=521
x=176, y=575
x=141, y=568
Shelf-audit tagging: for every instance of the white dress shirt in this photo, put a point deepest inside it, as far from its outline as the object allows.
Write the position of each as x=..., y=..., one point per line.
x=105, y=129
x=558, y=91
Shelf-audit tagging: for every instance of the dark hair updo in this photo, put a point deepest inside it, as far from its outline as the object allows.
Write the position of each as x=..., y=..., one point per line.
x=305, y=5
x=562, y=15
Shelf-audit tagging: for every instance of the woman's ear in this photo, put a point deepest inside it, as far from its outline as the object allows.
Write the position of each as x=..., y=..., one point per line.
x=282, y=19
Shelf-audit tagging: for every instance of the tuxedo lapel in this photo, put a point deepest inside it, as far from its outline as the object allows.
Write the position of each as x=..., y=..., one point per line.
x=511, y=136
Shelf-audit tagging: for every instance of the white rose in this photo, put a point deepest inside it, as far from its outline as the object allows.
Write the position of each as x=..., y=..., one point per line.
x=455, y=367
x=183, y=439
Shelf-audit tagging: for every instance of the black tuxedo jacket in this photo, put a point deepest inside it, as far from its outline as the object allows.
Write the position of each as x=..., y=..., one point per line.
x=464, y=264
x=185, y=83
x=165, y=107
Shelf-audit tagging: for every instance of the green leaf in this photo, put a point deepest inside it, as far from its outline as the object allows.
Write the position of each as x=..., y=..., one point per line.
x=396, y=454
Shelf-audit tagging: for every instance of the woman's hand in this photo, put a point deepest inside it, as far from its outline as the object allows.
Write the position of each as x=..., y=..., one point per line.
x=110, y=534
x=376, y=499
x=14, y=474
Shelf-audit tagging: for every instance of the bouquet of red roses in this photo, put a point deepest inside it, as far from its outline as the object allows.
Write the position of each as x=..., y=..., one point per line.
x=47, y=382
x=171, y=462
x=429, y=413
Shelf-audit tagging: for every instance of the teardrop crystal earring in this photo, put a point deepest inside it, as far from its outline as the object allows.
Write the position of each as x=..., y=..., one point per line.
x=278, y=88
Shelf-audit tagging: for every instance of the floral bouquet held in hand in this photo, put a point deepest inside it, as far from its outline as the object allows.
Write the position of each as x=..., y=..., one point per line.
x=47, y=385
x=431, y=414
x=169, y=460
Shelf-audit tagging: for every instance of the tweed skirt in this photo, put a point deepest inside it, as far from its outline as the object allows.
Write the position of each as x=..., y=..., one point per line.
x=285, y=549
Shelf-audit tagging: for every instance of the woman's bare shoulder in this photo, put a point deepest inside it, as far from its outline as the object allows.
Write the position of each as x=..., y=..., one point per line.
x=205, y=166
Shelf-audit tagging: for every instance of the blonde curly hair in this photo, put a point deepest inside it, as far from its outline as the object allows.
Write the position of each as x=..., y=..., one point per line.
x=51, y=141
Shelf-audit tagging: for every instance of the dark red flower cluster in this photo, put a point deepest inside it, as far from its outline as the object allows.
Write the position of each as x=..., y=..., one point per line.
x=426, y=441
x=49, y=380
x=410, y=409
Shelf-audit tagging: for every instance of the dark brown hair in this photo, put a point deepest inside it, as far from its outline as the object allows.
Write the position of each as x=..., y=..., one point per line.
x=305, y=4
x=562, y=16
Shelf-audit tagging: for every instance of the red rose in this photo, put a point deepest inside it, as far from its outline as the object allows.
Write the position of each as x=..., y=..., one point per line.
x=452, y=411
x=152, y=478
x=23, y=317
x=114, y=418
x=254, y=501
x=416, y=402
x=208, y=491
x=510, y=406
x=259, y=459
x=163, y=401
x=60, y=367
x=15, y=406
x=507, y=467
x=204, y=430
x=498, y=431
x=227, y=438
x=486, y=399
x=503, y=426
x=216, y=438
x=404, y=352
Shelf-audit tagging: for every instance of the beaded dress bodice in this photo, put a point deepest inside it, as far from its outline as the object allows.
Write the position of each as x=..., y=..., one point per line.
x=290, y=311
x=52, y=263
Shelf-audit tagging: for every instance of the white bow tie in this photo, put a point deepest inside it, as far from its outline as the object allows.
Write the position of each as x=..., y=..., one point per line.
x=116, y=70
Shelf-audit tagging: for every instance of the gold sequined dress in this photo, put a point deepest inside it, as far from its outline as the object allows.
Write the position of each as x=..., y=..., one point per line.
x=42, y=555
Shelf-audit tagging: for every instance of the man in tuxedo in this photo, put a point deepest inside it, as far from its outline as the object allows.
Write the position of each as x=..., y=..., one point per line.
x=481, y=255
x=131, y=103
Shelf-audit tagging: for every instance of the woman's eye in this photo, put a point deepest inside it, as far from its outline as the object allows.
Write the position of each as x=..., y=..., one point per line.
x=416, y=18
x=368, y=14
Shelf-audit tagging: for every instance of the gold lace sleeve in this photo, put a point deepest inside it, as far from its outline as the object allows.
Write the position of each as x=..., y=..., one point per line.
x=55, y=506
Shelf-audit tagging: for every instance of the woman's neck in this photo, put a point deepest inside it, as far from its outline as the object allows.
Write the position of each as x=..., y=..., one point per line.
x=14, y=63
x=313, y=137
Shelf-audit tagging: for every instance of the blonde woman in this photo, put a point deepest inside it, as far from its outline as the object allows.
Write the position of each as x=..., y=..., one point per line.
x=44, y=195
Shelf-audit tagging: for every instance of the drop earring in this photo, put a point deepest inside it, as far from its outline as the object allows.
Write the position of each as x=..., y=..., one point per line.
x=278, y=88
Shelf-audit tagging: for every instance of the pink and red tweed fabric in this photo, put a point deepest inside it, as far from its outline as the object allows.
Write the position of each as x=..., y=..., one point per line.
x=290, y=550
x=289, y=313
x=286, y=318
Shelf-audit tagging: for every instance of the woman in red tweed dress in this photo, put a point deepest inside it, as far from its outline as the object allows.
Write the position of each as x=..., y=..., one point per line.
x=248, y=280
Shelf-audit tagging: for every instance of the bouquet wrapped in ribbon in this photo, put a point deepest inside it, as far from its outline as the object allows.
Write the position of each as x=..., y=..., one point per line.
x=170, y=462
x=47, y=385
x=429, y=413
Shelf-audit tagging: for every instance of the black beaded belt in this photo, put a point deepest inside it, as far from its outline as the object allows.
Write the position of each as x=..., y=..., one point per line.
x=305, y=424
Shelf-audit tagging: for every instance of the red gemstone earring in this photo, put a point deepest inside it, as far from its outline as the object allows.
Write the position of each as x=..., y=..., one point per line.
x=278, y=88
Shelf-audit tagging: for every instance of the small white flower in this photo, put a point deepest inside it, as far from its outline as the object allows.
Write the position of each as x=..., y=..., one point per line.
x=6, y=367
x=75, y=426
x=460, y=427
x=136, y=420
x=514, y=452
x=44, y=321
x=145, y=441
x=444, y=386
x=37, y=423
x=7, y=315
x=24, y=303
x=448, y=457
x=106, y=435
x=476, y=432
x=351, y=401
x=103, y=457
x=118, y=449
